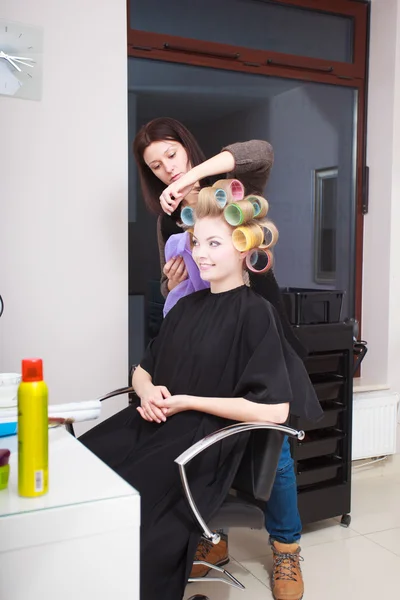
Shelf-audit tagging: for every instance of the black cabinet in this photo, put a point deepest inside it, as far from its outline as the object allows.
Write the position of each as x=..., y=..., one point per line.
x=323, y=459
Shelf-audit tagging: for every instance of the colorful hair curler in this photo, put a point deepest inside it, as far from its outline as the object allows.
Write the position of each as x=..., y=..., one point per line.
x=260, y=204
x=233, y=187
x=247, y=237
x=238, y=213
x=253, y=257
x=187, y=216
x=270, y=235
x=221, y=197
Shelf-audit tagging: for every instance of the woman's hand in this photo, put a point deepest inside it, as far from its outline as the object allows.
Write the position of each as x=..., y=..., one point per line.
x=174, y=404
x=175, y=193
x=148, y=409
x=223, y=162
x=175, y=271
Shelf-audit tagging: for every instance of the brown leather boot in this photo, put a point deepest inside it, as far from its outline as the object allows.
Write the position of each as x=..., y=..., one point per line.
x=216, y=554
x=287, y=580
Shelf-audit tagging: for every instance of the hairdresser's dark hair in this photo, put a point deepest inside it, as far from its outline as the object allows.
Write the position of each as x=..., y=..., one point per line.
x=163, y=128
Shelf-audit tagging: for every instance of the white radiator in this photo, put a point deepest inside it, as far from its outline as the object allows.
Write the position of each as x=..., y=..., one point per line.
x=374, y=424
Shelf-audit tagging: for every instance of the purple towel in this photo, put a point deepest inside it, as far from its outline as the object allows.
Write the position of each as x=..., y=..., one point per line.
x=179, y=245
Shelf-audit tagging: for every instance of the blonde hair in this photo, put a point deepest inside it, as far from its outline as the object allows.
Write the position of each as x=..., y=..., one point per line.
x=251, y=231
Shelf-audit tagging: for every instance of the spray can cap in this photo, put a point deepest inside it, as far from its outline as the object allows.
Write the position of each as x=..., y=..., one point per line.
x=32, y=369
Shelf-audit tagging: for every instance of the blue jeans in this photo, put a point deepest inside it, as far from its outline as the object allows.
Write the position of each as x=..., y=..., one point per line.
x=282, y=519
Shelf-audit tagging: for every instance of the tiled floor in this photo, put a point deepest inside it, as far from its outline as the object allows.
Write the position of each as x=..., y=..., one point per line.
x=362, y=561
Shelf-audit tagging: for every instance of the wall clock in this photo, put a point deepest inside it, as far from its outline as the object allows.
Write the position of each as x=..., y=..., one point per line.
x=21, y=60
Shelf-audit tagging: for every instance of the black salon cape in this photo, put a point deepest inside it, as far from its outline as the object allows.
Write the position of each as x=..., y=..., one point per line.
x=229, y=344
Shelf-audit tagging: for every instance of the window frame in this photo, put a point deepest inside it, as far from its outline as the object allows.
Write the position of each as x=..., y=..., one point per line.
x=162, y=47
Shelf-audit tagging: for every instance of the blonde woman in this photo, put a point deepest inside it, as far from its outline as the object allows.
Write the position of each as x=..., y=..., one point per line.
x=221, y=356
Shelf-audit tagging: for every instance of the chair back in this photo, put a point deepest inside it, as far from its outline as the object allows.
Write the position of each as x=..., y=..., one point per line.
x=256, y=473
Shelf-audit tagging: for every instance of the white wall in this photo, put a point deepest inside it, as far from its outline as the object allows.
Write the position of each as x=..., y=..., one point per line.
x=394, y=290
x=381, y=290
x=64, y=203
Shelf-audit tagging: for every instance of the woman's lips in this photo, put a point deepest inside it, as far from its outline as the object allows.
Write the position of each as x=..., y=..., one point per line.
x=175, y=177
x=205, y=267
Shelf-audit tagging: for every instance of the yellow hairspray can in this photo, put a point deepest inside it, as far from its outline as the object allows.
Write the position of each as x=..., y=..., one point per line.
x=33, y=430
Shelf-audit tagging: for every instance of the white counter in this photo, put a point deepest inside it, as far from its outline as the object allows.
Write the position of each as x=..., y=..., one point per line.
x=80, y=541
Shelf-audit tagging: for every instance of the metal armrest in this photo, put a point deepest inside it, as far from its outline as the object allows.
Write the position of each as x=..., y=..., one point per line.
x=118, y=392
x=211, y=439
x=125, y=390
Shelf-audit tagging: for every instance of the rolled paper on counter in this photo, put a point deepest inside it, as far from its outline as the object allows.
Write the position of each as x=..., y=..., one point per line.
x=270, y=235
x=78, y=411
x=260, y=204
x=78, y=416
x=259, y=261
x=55, y=409
x=247, y=237
x=233, y=188
x=187, y=216
x=238, y=213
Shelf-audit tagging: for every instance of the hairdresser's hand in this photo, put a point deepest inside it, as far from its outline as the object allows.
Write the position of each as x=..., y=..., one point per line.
x=174, y=404
x=147, y=409
x=173, y=195
x=176, y=272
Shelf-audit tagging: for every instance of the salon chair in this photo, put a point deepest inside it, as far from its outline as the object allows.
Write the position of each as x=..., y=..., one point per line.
x=251, y=488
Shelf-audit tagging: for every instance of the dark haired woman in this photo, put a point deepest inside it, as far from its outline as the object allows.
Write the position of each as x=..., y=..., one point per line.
x=172, y=169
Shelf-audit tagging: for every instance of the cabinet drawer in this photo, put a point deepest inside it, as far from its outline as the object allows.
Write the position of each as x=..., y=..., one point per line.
x=318, y=470
x=331, y=418
x=325, y=363
x=329, y=390
x=318, y=443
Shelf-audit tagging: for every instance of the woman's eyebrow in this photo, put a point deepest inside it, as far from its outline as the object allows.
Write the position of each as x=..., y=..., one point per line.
x=156, y=159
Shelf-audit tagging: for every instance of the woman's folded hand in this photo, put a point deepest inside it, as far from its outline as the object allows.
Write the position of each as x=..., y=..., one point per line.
x=150, y=399
x=173, y=404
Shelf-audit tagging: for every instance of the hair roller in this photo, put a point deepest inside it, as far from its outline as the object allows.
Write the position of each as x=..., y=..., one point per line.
x=221, y=197
x=259, y=261
x=233, y=187
x=187, y=216
x=238, y=213
x=210, y=203
x=270, y=234
x=260, y=204
x=247, y=237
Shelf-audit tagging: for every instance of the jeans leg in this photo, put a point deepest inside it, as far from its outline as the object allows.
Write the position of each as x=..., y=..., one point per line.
x=282, y=519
